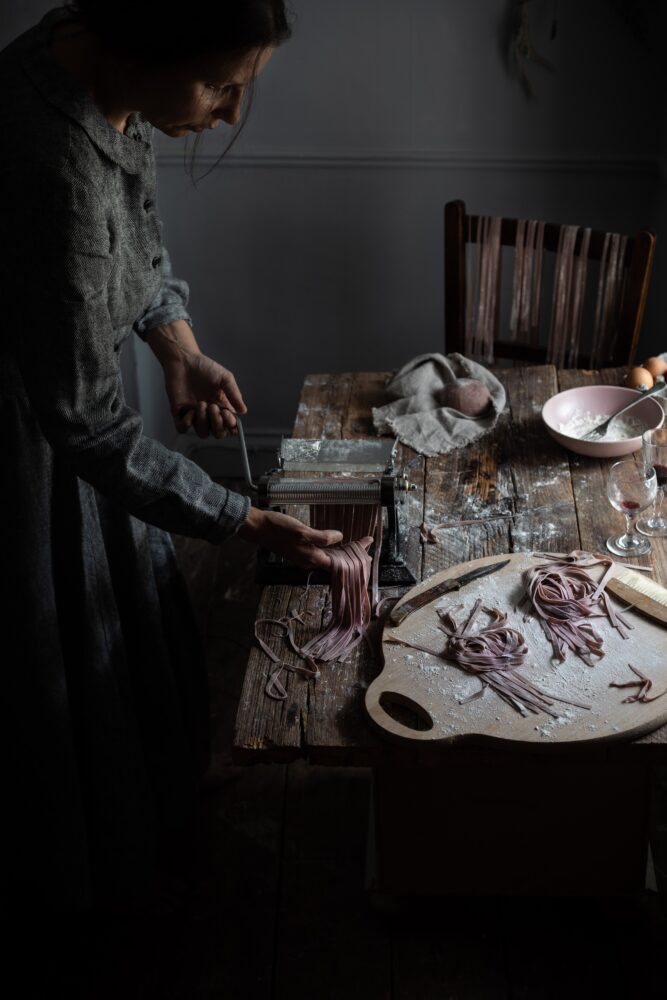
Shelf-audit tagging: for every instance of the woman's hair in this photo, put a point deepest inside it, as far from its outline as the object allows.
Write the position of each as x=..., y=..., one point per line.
x=159, y=34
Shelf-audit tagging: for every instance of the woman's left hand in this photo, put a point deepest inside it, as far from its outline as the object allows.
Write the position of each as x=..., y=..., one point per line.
x=202, y=395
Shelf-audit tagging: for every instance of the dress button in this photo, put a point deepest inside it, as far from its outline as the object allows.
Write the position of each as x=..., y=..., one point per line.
x=148, y=204
x=156, y=261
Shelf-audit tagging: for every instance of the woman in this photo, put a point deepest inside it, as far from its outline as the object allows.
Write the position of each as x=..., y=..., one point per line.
x=107, y=712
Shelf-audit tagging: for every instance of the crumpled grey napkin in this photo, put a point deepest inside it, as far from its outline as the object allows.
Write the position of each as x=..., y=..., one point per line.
x=416, y=415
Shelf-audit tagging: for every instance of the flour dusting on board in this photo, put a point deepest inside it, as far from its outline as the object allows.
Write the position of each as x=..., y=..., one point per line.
x=440, y=687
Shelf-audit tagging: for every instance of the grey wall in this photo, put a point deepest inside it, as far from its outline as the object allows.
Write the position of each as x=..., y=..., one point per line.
x=317, y=244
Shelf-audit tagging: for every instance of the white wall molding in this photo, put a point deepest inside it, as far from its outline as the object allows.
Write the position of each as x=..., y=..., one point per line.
x=416, y=160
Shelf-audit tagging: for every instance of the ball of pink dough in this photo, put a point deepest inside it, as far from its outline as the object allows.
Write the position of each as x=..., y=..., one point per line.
x=469, y=396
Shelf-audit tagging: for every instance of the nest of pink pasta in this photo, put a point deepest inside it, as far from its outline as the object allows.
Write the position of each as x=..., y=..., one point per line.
x=567, y=601
x=493, y=653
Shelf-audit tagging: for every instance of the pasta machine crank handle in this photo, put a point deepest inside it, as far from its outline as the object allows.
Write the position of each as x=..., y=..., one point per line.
x=244, y=457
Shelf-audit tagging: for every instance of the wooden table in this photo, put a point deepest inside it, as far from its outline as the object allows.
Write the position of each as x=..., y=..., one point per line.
x=571, y=821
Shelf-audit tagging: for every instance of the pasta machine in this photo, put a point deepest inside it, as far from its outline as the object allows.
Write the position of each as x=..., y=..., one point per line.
x=326, y=471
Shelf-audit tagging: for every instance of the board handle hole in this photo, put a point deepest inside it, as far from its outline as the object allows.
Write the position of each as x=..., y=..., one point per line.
x=406, y=711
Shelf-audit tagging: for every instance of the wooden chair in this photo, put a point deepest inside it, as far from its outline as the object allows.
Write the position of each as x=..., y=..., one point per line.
x=625, y=311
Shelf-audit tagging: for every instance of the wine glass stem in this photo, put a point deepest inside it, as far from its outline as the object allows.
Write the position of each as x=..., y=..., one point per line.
x=653, y=518
x=628, y=538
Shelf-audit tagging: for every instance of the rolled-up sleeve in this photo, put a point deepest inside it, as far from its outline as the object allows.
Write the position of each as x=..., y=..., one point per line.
x=69, y=362
x=169, y=304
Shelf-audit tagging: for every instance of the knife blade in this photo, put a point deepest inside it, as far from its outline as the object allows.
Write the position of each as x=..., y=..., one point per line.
x=401, y=611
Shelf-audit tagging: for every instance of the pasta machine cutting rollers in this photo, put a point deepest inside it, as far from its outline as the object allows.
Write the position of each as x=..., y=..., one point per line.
x=310, y=473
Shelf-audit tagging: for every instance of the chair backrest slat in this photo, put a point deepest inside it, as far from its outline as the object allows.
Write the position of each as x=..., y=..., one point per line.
x=551, y=237
x=637, y=261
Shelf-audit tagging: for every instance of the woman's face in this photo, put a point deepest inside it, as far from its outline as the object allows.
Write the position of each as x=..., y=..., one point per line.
x=200, y=93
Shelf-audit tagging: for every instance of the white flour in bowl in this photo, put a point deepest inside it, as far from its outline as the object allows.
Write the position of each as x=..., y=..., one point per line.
x=583, y=421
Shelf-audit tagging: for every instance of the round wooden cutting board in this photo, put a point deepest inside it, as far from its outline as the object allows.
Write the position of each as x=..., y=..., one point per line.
x=431, y=689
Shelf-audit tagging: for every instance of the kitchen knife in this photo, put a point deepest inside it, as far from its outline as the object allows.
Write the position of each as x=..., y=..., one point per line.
x=401, y=611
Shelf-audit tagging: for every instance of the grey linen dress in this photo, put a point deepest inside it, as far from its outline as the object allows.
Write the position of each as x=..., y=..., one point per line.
x=106, y=716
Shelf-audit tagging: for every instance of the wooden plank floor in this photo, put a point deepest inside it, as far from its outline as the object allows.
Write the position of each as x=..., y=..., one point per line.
x=277, y=909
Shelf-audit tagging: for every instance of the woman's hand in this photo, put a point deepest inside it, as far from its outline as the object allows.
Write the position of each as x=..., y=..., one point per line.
x=201, y=392
x=284, y=535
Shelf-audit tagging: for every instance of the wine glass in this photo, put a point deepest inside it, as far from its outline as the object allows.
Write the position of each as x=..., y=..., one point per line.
x=631, y=489
x=655, y=457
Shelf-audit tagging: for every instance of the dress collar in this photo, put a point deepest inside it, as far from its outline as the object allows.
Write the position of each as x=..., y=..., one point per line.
x=131, y=150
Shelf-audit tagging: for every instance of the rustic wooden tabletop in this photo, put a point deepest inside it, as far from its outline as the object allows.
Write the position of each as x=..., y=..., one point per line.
x=514, y=490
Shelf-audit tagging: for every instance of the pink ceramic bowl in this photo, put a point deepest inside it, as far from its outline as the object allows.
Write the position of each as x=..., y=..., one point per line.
x=603, y=399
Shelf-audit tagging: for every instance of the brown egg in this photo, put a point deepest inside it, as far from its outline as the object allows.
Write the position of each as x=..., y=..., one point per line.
x=639, y=378
x=656, y=366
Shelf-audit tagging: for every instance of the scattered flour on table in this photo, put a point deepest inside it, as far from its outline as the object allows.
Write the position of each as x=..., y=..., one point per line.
x=539, y=484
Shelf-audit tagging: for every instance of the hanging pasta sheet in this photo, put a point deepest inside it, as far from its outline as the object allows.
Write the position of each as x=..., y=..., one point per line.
x=352, y=571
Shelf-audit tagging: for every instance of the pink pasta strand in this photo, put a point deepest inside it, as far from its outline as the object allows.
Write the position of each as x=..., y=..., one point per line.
x=351, y=571
x=275, y=687
x=643, y=684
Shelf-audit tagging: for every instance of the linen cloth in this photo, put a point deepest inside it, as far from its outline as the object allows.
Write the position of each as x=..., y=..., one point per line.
x=106, y=697
x=418, y=418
